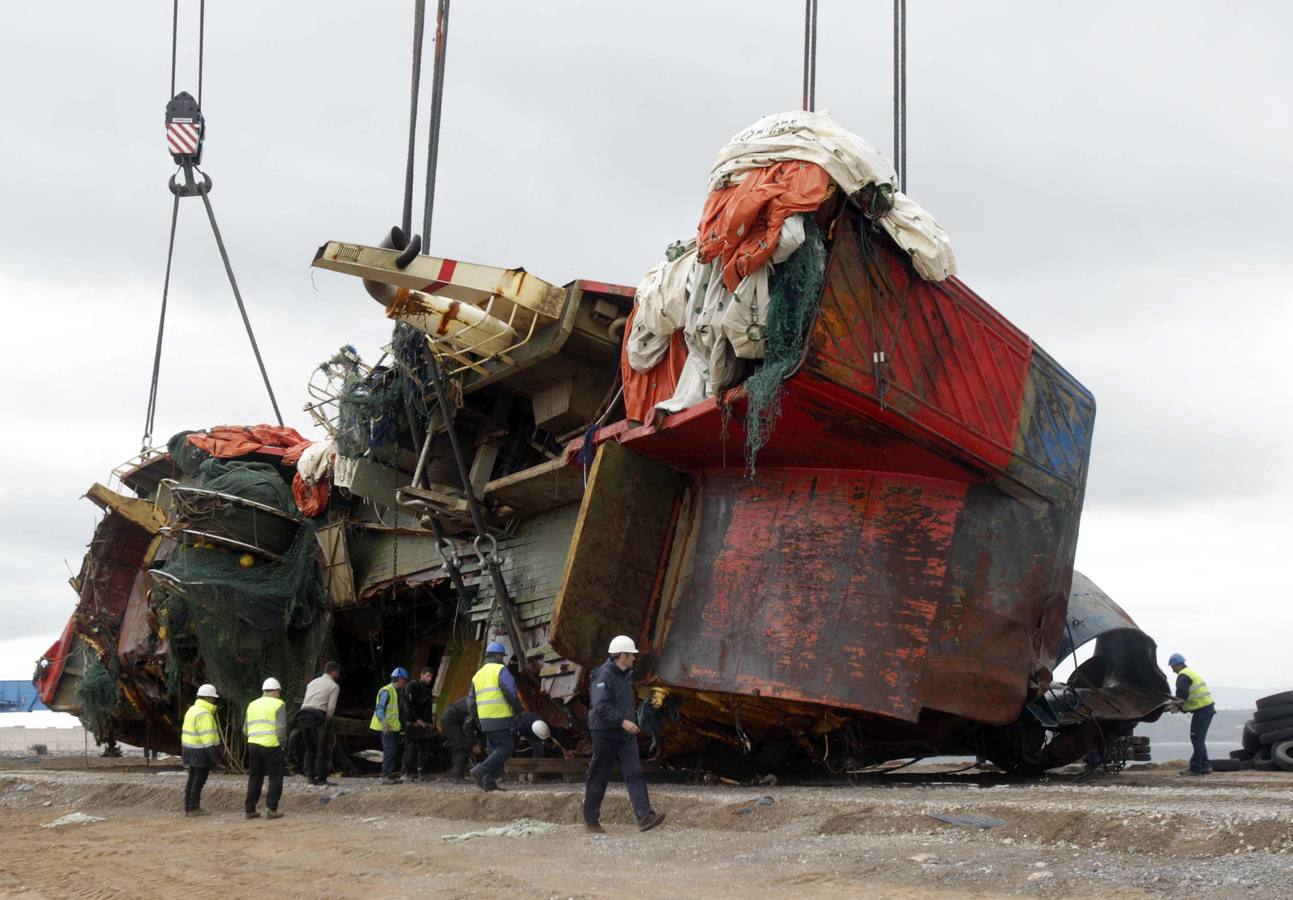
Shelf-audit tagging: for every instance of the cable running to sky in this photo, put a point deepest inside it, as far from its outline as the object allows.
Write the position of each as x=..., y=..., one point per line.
x=185, y=136
x=900, y=91
x=810, y=55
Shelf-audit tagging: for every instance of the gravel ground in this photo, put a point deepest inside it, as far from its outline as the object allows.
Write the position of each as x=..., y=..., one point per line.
x=1146, y=832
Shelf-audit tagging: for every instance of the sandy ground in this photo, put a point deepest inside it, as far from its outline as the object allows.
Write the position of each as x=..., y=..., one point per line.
x=1147, y=832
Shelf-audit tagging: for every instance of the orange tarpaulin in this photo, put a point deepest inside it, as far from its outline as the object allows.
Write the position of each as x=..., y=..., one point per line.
x=229, y=441
x=742, y=223
x=311, y=499
x=643, y=390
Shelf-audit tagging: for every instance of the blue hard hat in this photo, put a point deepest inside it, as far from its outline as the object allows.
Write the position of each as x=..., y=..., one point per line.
x=495, y=647
x=400, y=672
x=1176, y=659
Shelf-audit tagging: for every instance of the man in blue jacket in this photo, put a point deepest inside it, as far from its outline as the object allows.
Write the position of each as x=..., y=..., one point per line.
x=612, y=719
x=495, y=707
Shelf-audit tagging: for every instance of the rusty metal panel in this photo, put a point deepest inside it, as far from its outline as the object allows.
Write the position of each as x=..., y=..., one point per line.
x=819, y=586
x=619, y=542
x=952, y=365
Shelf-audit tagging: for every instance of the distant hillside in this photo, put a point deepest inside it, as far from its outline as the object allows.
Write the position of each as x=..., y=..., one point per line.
x=1240, y=697
x=1175, y=728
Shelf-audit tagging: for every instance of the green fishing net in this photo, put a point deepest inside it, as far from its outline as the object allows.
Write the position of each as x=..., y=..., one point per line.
x=795, y=287
x=98, y=696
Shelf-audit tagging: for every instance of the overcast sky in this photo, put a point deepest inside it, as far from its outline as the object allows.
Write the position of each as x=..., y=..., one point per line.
x=1115, y=179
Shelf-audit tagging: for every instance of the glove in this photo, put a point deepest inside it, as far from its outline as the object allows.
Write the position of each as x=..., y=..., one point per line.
x=386, y=727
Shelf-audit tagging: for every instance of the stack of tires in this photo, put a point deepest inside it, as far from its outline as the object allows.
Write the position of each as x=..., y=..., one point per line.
x=1268, y=735
x=1140, y=748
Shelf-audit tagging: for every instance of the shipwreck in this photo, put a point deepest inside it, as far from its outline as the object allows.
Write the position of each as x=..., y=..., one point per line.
x=832, y=493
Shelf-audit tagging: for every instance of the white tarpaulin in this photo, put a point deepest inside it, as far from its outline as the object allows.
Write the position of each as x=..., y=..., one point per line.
x=719, y=325
x=852, y=164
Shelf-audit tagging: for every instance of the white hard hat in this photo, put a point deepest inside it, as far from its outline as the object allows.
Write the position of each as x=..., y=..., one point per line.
x=208, y=690
x=541, y=730
x=622, y=643
x=271, y=684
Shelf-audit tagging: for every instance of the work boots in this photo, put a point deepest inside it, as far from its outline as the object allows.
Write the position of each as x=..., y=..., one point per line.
x=651, y=821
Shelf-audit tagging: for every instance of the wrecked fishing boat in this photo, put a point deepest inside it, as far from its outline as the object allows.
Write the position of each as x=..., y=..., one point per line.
x=831, y=492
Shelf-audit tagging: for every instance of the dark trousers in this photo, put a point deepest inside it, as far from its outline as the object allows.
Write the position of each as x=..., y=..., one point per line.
x=500, y=745
x=392, y=744
x=1200, y=719
x=460, y=740
x=417, y=756
x=193, y=788
x=313, y=726
x=263, y=761
x=609, y=747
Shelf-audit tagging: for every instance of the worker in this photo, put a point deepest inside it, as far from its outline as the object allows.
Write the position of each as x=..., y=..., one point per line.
x=535, y=732
x=613, y=726
x=421, y=709
x=200, y=740
x=266, y=737
x=386, y=719
x=312, y=721
x=494, y=706
x=459, y=729
x=1193, y=697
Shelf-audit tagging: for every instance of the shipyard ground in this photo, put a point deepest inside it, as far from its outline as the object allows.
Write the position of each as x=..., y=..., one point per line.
x=1146, y=832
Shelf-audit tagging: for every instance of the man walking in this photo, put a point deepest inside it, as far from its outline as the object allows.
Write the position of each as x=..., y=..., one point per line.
x=459, y=730
x=1193, y=697
x=312, y=721
x=386, y=719
x=421, y=709
x=200, y=743
x=612, y=722
x=266, y=736
x=494, y=704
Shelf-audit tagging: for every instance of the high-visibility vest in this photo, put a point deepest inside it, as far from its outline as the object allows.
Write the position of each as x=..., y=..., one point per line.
x=1199, y=696
x=490, y=701
x=262, y=721
x=199, y=730
x=392, y=710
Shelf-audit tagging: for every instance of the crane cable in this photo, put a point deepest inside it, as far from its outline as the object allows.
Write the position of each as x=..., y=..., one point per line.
x=419, y=27
x=810, y=55
x=437, y=105
x=188, y=167
x=900, y=92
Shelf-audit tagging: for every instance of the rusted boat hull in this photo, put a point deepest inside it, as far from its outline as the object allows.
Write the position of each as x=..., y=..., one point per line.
x=905, y=548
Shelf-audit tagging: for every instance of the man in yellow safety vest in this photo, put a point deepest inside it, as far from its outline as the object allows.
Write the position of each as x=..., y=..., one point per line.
x=266, y=737
x=494, y=703
x=1193, y=697
x=386, y=719
x=200, y=743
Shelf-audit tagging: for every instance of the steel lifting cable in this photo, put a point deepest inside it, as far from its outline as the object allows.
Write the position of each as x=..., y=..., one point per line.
x=437, y=104
x=161, y=329
x=488, y=557
x=900, y=92
x=419, y=27
x=202, y=190
x=810, y=55
x=242, y=310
